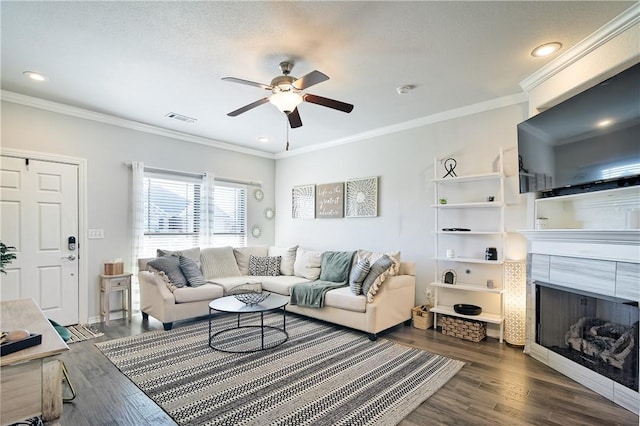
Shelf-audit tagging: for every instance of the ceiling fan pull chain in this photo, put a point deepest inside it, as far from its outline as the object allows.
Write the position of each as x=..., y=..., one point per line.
x=286, y=124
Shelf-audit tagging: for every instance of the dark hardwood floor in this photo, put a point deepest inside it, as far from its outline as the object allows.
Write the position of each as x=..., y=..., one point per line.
x=498, y=385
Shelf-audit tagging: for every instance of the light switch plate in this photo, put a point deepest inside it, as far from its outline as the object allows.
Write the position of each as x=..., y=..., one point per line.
x=95, y=234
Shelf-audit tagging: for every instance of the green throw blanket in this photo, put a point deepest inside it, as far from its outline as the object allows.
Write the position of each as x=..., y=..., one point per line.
x=334, y=273
x=311, y=294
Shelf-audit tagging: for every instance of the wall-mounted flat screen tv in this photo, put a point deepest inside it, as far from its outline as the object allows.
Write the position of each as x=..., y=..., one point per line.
x=586, y=143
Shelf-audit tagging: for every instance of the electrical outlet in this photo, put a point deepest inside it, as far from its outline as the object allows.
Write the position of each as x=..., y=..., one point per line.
x=96, y=234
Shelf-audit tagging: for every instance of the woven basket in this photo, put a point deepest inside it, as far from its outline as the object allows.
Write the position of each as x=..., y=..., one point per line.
x=463, y=328
x=422, y=319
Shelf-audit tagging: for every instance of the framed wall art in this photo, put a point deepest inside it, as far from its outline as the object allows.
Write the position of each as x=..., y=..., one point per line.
x=303, y=202
x=361, y=197
x=330, y=200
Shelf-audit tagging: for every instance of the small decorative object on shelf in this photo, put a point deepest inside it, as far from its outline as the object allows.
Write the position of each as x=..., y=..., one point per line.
x=443, y=201
x=464, y=309
x=491, y=198
x=449, y=276
x=491, y=253
x=450, y=166
x=252, y=297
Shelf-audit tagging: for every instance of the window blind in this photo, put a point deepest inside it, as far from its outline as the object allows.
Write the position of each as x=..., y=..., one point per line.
x=173, y=214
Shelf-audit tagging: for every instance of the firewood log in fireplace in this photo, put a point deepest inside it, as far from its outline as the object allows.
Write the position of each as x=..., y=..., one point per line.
x=609, y=341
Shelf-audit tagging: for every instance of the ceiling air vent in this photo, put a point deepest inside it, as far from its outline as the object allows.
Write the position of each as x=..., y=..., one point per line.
x=180, y=117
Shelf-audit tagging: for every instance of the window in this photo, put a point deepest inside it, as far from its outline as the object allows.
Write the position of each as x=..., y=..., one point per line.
x=173, y=214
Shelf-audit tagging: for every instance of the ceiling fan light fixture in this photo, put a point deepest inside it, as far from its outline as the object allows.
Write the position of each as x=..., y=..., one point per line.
x=286, y=101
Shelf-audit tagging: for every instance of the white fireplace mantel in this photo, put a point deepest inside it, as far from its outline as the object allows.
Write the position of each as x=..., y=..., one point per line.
x=622, y=245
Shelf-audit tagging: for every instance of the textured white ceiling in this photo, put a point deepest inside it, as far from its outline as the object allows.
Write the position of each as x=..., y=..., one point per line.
x=142, y=60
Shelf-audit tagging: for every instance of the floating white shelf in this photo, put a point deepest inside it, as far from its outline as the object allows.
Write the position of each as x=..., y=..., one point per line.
x=476, y=205
x=470, y=260
x=486, y=317
x=468, y=178
x=468, y=287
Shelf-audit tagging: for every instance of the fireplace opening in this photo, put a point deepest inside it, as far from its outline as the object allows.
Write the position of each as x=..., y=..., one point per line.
x=595, y=331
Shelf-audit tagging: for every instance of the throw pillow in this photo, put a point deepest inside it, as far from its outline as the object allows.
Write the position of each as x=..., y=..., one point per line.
x=218, y=262
x=265, y=266
x=192, y=253
x=307, y=264
x=358, y=274
x=242, y=255
x=288, y=258
x=377, y=274
x=170, y=265
x=374, y=256
x=191, y=271
x=336, y=265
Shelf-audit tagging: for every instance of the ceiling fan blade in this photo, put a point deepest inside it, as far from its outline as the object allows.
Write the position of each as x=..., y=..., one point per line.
x=247, y=82
x=294, y=119
x=330, y=103
x=314, y=77
x=248, y=107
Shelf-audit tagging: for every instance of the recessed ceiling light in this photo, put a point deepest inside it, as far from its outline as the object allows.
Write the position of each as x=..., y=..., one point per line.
x=546, y=49
x=604, y=123
x=263, y=139
x=35, y=76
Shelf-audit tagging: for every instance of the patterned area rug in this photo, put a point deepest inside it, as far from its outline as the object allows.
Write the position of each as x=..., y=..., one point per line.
x=82, y=332
x=323, y=375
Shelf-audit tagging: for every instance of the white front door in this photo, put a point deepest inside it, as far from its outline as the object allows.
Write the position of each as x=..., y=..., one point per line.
x=39, y=214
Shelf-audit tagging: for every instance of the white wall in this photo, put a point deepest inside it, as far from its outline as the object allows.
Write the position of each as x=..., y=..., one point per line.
x=106, y=148
x=404, y=163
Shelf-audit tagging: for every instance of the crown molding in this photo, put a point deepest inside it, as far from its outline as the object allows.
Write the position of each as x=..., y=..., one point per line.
x=133, y=125
x=59, y=108
x=607, y=32
x=480, y=107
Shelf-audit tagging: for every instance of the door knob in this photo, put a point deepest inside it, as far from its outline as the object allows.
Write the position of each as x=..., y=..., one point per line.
x=70, y=257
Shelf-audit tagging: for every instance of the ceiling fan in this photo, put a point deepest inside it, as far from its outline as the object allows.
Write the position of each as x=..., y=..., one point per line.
x=286, y=94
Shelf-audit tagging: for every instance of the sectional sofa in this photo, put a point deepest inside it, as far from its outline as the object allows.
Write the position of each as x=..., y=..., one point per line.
x=217, y=272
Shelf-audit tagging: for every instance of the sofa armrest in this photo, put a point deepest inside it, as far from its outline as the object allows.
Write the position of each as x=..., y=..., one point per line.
x=155, y=298
x=392, y=304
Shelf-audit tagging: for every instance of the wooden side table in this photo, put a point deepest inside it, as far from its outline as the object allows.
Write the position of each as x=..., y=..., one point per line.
x=109, y=283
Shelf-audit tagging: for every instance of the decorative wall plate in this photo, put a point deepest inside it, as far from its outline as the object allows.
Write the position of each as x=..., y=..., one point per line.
x=256, y=231
x=269, y=213
x=258, y=194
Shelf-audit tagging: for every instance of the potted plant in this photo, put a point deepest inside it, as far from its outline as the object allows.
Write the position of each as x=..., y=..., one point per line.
x=6, y=255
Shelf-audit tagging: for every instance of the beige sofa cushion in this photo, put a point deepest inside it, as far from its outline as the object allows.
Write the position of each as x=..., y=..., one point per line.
x=343, y=298
x=280, y=284
x=243, y=282
x=288, y=258
x=307, y=264
x=218, y=262
x=243, y=254
x=195, y=294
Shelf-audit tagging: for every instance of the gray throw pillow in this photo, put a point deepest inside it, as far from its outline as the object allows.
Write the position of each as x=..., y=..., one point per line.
x=264, y=266
x=192, y=272
x=377, y=269
x=336, y=265
x=358, y=274
x=170, y=265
